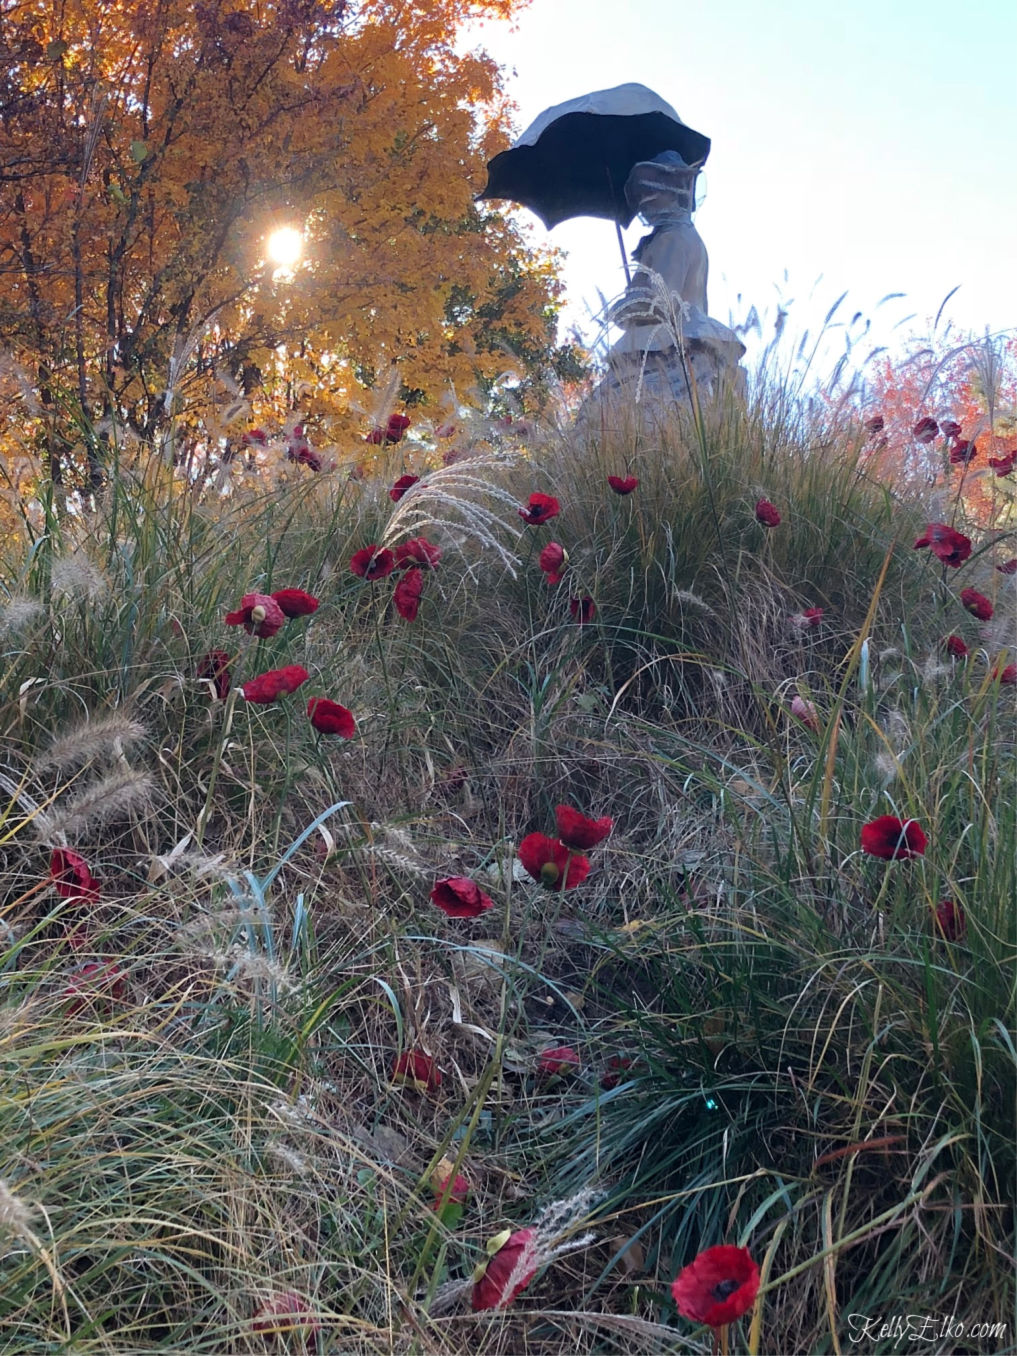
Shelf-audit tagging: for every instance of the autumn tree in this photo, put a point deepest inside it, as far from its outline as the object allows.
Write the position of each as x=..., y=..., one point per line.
x=150, y=147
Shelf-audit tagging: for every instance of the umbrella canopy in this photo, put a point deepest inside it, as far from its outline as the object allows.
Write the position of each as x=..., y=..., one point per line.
x=574, y=159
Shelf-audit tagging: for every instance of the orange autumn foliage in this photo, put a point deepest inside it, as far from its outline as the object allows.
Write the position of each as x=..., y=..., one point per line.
x=152, y=146
x=972, y=384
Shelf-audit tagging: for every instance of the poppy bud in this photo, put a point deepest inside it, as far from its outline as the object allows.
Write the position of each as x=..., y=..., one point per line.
x=512, y=1266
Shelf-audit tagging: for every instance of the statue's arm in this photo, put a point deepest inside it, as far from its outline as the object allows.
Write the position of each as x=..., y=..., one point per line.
x=635, y=306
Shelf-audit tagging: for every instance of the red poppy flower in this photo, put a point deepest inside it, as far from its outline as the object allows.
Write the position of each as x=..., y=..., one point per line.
x=71, y=876
x=560, y=1059
x=255, y=437
x=287, y=1312
x=925, y=430
x=417, y=551
x=717, y=1287
x=392, y=432
x=372, y=562
x=951, y=547
x=950, y=428
x=445, y=431
x=308, y=458
x=874, y=425
x=460, y=897
x=977, y=604
x=1008, y=566
x=583, y=609
x=448, y=1187
x=259, y=614
x=891, y=838
x=540, y=509
x=403, y=484
x=956, y=648
x=805, y=712
x=295, y=602
x=396, y=427
x=962, y=452
x=297, y=447
x=1007, y=675
x=807, y=620
x=406, y=594
x=214, y=666
x=951, y=920
x=510, y=1270
x=553, y=559
x=95, y=982
x=576, y=831
x=623, y=484
x=1004, y=465
x=329, y=717
x=613, y=1070
x=547, y=860
x=766, y=513
x=519, y=428
x=413, y=1066
x=268, y=686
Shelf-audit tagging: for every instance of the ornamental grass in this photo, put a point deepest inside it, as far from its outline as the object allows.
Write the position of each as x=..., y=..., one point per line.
x=273, y=967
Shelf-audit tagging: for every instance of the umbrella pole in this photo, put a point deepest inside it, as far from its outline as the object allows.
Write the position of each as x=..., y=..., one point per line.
x=625, y=257
x=617, y=227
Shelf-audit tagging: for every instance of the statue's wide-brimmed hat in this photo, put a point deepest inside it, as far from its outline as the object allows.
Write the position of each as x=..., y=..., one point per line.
x=573, y=161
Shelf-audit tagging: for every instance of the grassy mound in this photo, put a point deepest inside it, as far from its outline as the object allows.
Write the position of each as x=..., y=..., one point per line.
x=245, y=1054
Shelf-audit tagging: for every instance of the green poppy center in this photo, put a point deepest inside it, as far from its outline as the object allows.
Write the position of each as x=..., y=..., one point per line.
x=549, y=874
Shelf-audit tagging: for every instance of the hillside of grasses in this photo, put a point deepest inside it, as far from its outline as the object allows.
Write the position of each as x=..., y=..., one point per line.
x=760, y=1034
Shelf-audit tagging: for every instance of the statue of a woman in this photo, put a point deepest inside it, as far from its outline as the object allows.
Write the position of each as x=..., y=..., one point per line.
x=665, y=303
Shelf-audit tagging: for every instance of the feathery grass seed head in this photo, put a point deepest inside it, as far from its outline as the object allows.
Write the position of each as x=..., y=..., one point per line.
x=105, y=802
x=105, y=736
x=78, y=577
x=19, y=613
x=15, y=1215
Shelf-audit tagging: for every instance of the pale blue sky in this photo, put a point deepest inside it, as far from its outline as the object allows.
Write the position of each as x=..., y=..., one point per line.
x=866, y=147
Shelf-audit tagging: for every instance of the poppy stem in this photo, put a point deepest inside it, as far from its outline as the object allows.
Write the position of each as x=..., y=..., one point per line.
x=384, y=671
x=287, y=779
x=201, y=823
x=391, y=723
x=479, y=1098
x=884, y=887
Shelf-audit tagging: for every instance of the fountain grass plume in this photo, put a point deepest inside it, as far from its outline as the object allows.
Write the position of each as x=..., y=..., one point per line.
x=112, y=798
x=100, y=737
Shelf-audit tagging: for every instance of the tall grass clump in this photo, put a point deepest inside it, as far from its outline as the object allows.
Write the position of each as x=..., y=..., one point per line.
x=262, y=1094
